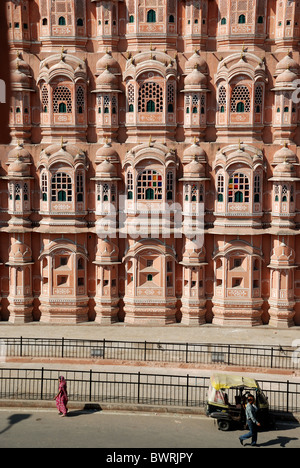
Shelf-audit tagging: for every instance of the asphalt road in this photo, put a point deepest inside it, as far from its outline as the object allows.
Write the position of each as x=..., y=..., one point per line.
x=113, y=431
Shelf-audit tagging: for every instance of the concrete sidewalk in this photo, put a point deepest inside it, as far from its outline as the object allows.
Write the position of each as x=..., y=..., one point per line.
x=261, y=335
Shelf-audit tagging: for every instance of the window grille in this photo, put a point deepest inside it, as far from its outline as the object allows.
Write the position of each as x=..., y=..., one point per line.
x=62, y=95
x=170, y=93
x=44, y=187
x=129, y=186
x=194, y=191
x=150, y=92
x=201, y=193
x=25, y=192
x=256, y=189
x=222, y=98
x=130, y=94
x=220, y=187
x=258, y=98
x=238, y=188
x=79, y=186
x=80, y=100
x=61, y=187
x=284, y=193
x=98, y=191
x=149, y=186
x=170, y=186
x=240, y=94
x=45, y=99
x=17, y=192
x=105, y=192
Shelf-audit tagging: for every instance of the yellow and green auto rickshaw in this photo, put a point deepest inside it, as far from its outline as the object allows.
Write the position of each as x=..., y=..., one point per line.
x=227, y=398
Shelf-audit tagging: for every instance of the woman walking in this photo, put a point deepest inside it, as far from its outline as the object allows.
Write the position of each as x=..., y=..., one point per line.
x=62, y=397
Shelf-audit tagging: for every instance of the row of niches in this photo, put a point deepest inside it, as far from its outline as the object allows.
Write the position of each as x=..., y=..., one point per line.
x=236, y=186
x=149, y=93
x=190, y=17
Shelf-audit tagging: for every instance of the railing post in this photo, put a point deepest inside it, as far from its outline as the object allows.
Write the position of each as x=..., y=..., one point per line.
x=139, y=383
x=103, y=348
x=42, y=382
x=271, y=363
x=145, y=351
x=187, y=389
x=186, y=353
x=228, y=361
x=287, y=395
x=62, y=347
x=91, y=380
x=21, y=346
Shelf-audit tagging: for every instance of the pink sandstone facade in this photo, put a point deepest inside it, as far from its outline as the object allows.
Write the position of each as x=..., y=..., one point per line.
x=153, y=172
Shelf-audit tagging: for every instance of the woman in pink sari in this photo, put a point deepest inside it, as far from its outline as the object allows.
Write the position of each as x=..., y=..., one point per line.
x=62, y=397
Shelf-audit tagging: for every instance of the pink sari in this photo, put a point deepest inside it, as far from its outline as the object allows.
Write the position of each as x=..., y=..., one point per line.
x=62, y=397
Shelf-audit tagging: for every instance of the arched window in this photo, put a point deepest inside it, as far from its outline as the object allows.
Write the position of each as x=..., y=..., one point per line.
x=151, y=16
x=130, y=108
x=238, y=188
x=62, y=21
x=223, y=21
x=149, y=194
x=62, y=108
x=150, y=106
x=238, y=197
x=80, y=22
x=171, y=19
x=149, y=185
x=240, y=107
x=260, y=19
x=44, y=22
x=61, y=195
x=61, y=187
x=242, y=19
x=131, y=19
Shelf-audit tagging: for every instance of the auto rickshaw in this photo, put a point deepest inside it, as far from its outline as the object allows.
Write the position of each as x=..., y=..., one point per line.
x=227, y=399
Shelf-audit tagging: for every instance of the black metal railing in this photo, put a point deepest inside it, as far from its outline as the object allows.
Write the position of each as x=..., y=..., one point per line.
x=279, y=357
x=131, y=388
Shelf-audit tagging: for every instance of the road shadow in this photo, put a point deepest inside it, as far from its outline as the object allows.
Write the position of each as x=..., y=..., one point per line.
x=15, y=419
x=280, y=440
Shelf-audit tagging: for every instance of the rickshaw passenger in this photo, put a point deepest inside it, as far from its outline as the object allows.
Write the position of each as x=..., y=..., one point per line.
x=238, y=401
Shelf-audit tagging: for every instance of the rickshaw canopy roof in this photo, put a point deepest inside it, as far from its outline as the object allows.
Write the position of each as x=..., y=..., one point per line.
x=219, y=381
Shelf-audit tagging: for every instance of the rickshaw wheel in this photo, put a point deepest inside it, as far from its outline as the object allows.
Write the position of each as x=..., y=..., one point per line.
x=223, y=425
